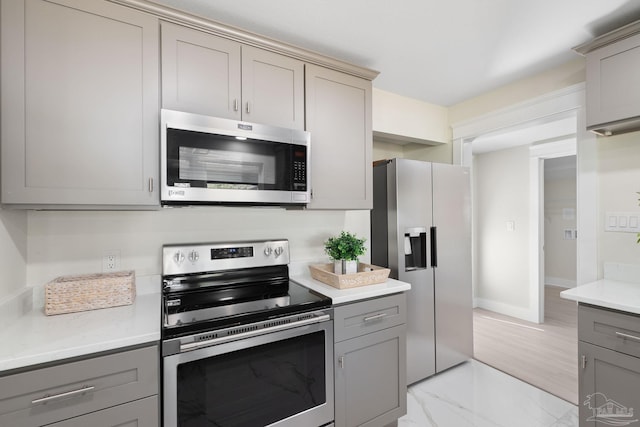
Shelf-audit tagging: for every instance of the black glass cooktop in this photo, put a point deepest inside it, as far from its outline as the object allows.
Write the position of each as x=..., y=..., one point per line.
x=200, y=302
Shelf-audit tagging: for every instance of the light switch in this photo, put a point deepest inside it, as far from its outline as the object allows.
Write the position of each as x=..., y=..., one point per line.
x=511, y=225
x=622, y=221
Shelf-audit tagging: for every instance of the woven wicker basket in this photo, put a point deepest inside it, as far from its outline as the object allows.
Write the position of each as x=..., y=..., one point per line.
x=367, y=275
x=69, y=294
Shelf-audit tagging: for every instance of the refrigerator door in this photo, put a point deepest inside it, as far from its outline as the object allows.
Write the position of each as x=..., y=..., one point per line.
x=453, y=293
x=410, y=218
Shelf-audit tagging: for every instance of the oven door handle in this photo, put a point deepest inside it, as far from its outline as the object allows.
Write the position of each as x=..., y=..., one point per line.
x=184, y=347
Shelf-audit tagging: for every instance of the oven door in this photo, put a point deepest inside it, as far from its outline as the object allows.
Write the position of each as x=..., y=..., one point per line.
x=283, y=379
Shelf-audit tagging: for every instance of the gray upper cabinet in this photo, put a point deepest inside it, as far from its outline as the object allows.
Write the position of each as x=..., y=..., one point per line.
x=80, y=97
x=272, y=88
x=338, y=115
x=200, y=72
x=613, y=87
x=210, y=75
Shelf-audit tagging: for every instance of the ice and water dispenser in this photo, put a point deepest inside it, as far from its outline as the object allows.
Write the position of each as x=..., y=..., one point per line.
x=415, y=248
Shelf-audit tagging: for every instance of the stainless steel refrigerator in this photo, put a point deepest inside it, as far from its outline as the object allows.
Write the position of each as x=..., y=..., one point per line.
x=421, y=230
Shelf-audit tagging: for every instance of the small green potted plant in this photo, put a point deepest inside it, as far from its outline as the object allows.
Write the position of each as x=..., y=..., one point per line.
x=344, y=250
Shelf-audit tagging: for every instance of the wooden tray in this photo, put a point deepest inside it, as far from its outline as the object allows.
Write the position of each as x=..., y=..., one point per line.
x=367, y=275
x=69, y=294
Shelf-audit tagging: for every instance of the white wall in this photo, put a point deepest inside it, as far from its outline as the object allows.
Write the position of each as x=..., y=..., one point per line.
x=502, y=257
x=559, y=215
x=427, y=153
x=618, y=184
x=62, y=243
x=523, y=90
x=409, y=118
x=13, y=252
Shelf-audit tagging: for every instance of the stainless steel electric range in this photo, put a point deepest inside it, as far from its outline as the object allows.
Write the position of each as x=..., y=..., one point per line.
x=242, y=345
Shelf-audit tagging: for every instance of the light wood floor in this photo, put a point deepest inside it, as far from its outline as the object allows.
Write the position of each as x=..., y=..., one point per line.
x=544, y=355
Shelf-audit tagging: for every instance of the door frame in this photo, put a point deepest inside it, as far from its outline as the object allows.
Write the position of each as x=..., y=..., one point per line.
x=546, y=108
x=537, y=155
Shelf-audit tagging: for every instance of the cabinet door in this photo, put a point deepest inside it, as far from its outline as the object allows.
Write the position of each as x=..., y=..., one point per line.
x=338, y=115
x=79, y=104
x=47, y=395
x=200, y=72
x=141, y=413
x=371, y=379
x=613, y=86
x=272, y=88
x=609, y=386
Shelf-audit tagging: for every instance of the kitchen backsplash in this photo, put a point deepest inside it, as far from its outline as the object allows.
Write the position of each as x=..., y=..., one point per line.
x=63, y=243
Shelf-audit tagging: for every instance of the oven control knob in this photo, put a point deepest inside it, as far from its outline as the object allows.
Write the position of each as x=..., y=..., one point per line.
x=278, y=251
x=268, y=250
x=194, y=256
x=178, y=257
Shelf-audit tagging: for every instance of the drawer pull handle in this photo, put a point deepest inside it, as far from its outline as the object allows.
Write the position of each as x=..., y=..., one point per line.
x=375, y=317
x=47, y=399
x=625, y=336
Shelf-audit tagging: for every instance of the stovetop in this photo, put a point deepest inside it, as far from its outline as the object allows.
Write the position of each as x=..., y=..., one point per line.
x=252, y=286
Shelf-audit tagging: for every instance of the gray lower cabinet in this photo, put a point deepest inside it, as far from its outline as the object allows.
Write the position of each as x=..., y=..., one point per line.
x=80, y=95
x=116, y=389
x=141, y=413
x=609, y=374
x=370, y=362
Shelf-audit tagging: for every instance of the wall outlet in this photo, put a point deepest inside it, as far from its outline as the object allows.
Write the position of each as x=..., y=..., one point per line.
x=110, y=261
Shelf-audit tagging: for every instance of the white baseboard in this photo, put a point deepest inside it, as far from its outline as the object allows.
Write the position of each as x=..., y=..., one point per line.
x=559, y=282
x=507, y=309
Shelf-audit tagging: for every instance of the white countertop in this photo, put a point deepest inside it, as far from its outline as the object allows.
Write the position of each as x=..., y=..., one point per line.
x=618, y=295
x=341, y=296
x=36, y=338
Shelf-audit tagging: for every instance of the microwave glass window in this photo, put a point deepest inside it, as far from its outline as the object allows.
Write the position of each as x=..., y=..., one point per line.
x=203, y=160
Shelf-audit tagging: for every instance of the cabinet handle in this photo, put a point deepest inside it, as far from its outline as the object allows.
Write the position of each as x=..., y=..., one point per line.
x=235, y=104
x=584, y=361
x=248, y=110
x=150, y=185
x=375, y=317
x=625, y=336
x=341, y=361
x=46, y=399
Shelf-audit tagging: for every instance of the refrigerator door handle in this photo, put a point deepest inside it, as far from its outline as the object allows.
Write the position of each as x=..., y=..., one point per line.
x=434, y=247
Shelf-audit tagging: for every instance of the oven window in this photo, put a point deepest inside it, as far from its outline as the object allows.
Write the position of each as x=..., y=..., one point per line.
x=196, y=159
x=255, y=386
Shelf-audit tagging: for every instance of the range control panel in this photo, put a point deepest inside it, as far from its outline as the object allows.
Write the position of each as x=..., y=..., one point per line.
x=207, y=257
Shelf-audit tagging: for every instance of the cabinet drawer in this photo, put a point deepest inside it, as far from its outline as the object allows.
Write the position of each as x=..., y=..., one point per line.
x=610, y=329
x=353, y=320
x=141, y=413
x=47, y=395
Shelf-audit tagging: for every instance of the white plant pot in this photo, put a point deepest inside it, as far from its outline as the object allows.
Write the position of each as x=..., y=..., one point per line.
x=343, y=266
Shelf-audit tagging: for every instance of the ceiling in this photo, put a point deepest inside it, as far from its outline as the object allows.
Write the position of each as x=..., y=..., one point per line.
x=438, y=51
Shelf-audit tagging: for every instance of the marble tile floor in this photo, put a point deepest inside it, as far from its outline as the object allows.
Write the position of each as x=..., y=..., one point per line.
x=476, y=395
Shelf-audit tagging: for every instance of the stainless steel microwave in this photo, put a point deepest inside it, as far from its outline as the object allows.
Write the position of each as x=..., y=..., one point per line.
x=210, y=160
